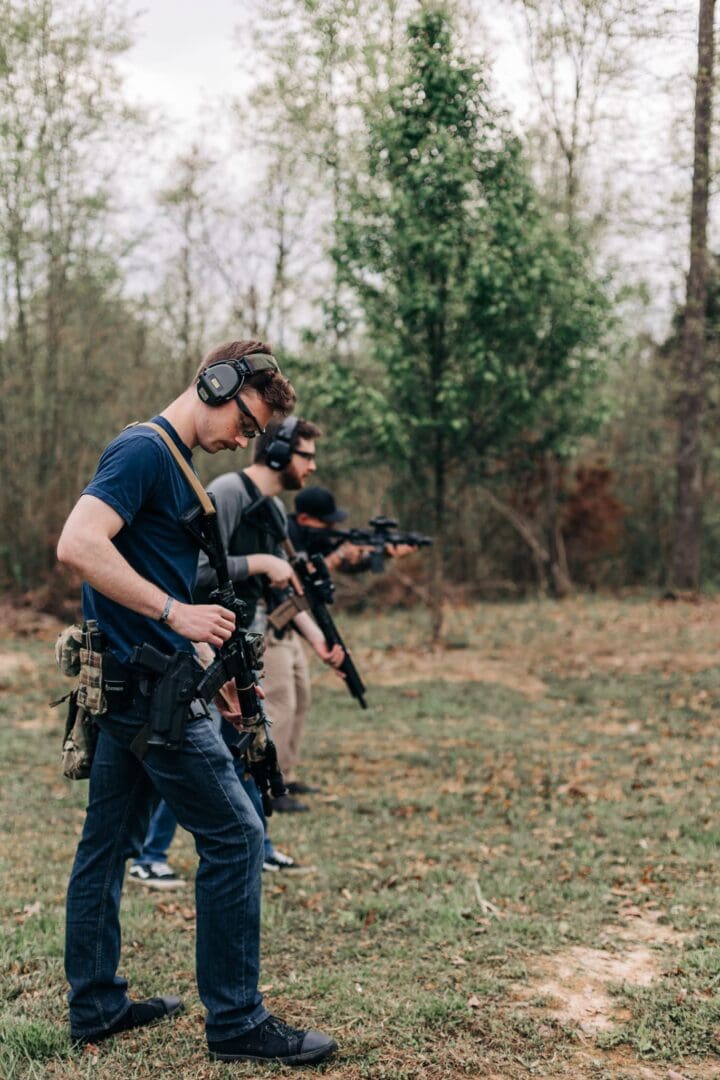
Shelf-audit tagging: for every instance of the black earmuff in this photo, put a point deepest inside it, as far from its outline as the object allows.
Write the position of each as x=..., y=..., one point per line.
x=279, y=452
x=222, y=380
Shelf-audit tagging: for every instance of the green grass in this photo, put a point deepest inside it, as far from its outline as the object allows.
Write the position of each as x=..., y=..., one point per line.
x=469, y=835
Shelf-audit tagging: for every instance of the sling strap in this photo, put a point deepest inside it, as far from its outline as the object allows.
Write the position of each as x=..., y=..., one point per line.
x=200, y=492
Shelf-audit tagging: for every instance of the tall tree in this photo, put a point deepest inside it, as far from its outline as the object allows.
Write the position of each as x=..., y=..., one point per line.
x=478, y=311
x=61, y=111
x=184, y=296
x=685, y=565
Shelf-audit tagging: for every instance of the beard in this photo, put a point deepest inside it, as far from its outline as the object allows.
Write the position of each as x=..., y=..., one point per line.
x=289, y=479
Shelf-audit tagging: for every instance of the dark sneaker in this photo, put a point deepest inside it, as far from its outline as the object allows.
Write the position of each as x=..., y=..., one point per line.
x=275, y=1041
x=297, y=787
x=156, y=875
x=285, y=804
x=279, y=861
x=140, y=1014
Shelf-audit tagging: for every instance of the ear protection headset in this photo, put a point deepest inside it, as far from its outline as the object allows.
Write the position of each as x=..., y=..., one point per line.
x=222, y=380
x=279, y=452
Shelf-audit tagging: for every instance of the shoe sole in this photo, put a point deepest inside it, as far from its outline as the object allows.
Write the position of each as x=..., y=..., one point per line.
x=285, y=870
x=309, y=1058
x=158, y=884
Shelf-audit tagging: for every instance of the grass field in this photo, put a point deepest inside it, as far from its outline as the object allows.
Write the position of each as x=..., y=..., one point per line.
x=515, y=851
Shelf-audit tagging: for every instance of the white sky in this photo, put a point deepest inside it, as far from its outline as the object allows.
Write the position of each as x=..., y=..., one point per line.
x=184, y=56
x=185, y=62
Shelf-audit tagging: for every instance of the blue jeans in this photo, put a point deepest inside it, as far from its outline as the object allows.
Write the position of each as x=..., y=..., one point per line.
x=163, y=822
x=200, y=785
x=159, y=836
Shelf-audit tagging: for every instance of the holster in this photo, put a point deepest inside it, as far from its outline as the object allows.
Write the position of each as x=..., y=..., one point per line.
x=171, y=696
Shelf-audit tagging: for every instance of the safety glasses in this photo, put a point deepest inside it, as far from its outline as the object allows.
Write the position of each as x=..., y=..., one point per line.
x=258, y=429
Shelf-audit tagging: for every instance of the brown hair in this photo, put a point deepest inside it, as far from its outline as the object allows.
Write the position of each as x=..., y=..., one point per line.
x=275, y=390
x=303, y=429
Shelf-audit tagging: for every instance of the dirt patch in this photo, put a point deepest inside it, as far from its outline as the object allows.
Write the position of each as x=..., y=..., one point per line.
x=588, y=1064
x=467, y=665
x=25, y=621
x=454, y=667
x=13, y=664
x=520, y=646
x=577, y=980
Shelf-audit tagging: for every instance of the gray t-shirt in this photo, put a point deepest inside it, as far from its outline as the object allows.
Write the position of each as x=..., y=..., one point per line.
x=234, y=493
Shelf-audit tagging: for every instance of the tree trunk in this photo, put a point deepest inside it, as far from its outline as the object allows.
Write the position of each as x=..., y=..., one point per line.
x=685, y=566
x=437, y=575
x=558, y=574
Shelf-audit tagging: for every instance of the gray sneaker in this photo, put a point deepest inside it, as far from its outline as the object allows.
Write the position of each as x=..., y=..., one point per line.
x=156, y=875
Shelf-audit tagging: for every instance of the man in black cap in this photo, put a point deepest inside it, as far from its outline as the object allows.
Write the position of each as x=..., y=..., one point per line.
x=309, y=529
x=287, y=674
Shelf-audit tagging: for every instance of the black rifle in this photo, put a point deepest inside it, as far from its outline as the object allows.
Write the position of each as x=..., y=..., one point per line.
x=377, y=538
x=238, y=659
x=319, y=591
x=313, y=589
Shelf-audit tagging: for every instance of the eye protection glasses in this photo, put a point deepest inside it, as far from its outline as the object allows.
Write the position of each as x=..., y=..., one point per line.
x=257, y=430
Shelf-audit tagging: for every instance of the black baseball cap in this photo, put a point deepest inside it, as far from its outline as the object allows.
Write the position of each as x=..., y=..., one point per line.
x=319, y=503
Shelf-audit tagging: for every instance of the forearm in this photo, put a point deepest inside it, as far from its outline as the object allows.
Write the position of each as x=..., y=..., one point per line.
x=306, y=625
x=237, y=568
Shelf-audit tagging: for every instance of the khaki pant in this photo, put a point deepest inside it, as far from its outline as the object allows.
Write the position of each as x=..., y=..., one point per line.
x=286, y=682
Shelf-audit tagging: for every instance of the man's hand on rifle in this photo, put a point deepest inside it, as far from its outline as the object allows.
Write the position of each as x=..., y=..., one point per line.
x=332, y=657
x=347, y=553
x=278, y=570
x=228, y=705
x=210, y=623
x=398, y=551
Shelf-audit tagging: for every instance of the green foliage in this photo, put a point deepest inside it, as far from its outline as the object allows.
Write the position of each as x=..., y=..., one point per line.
x=481, y=317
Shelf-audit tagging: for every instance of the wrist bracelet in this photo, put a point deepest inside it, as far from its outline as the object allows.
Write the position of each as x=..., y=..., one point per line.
x=166, y=610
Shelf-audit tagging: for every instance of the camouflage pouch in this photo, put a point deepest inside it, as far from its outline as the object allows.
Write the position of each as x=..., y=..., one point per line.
x=90, y=683
x=67, y=650
x=78, y=652
x=257, y=748
x=81, y=733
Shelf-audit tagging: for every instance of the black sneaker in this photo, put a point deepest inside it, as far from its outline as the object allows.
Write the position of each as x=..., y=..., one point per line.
x=140, y=1014
x=275, y=1041
x=285, y=804
x=156, y=875
x=279, y=861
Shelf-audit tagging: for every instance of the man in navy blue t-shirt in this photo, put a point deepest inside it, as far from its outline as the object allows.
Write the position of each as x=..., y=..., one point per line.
x=138, y=563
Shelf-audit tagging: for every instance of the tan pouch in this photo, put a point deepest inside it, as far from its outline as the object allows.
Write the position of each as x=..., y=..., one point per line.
x=67, y=650
x=81, y=733
x=90, y=689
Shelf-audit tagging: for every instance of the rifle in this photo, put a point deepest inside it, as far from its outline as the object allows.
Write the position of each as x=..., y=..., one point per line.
x=237, y=658
x=312, y=589
x=377, y=538
x=319, y=590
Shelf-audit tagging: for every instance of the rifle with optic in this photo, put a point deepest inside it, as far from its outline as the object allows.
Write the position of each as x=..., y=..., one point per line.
x=311, y=590
x=378, y=538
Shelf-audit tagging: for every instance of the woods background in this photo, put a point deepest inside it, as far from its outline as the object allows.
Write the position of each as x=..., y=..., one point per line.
x=475, y=273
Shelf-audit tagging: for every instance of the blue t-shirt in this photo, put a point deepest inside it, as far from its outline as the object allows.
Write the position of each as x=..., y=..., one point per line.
x=139, y=478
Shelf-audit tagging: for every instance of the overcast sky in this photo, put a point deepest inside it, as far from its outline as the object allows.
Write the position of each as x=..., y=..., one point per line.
x=185, y=62
x=184, y=56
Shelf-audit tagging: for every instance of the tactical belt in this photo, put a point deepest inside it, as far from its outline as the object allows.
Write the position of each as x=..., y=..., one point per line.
x=127, y=690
